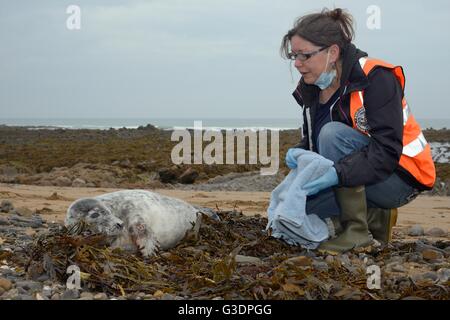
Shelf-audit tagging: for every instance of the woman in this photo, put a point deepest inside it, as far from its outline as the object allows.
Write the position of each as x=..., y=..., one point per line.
x=356, y=115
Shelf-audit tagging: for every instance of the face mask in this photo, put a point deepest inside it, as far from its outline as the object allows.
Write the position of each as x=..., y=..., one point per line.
x=326, y=78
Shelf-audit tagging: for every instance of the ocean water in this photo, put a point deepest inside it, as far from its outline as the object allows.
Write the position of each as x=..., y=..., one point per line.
x=177, y=123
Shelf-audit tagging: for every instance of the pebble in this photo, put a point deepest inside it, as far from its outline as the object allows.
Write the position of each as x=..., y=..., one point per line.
x=47, y=291
x=416, y=231
x=247, y=259
x=329, y=259
x=100, y=296
x=5, y=284
x=300, y=261
x=56, y=296
x=431, y=275
x=414, y=257
x=29, y=285
x=431, y=255
x=443, y=275
x=436, y=232
x=6, y=206
x=398, y=268
x=86, y=296
x=320, y=265
x=4, y=221
x=70, y=294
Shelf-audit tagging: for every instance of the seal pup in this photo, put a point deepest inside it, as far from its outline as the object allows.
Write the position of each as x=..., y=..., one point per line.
x=137, y=219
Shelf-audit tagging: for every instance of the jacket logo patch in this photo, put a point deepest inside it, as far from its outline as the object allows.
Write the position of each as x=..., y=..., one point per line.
x=361, y=120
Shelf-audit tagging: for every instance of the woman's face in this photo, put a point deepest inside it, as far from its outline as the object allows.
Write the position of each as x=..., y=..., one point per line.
x=315, y=65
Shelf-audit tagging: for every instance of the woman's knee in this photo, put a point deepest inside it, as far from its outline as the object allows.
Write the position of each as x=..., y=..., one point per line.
x=337, y=140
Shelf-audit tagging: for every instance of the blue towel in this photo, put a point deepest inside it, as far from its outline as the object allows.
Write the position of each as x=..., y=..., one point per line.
x=287, y=210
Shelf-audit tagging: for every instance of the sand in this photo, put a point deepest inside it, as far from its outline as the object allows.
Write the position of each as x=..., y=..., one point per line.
x=426, y=211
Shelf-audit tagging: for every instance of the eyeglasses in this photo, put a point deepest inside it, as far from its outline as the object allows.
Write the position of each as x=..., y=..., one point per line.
x=304, y=56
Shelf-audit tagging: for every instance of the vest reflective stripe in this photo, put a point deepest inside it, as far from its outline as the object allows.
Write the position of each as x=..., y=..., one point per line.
x=415, y=147
x=416, y=155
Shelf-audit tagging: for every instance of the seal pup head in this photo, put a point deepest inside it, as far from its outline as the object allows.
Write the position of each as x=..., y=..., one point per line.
x=96, y=215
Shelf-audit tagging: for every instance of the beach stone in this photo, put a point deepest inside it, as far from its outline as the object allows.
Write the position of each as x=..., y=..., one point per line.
x=436, y=232
x=431, y=275
x=414, y=257
x=29, y=285
x=167, y=175
x=416, y=231
x=443, y=275
x=62, y=181
x=70, y=294
x=300, y=261
x=188, y=176
x=431, y=255
x=2, y=291
x=5, y=284
x=47, y=291
x=77, y=183
x=6, y=206
x=56, y=296
x=398, y=268
x=320, y=265
x=23, y=212
x=247, y=259
x=4, y=221
x=86, y=296
x=329, y=259
x=100, y=296
x=40, y=296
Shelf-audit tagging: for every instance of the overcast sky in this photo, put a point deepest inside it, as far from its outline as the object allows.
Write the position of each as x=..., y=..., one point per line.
x=196, y=58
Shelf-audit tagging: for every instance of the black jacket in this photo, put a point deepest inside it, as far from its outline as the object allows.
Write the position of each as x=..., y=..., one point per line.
x=383, y=105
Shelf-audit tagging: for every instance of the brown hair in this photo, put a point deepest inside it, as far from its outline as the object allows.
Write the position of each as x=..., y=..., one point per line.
x=323, y=29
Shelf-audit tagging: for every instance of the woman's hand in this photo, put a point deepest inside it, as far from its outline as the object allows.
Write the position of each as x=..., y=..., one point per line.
x=327, y=180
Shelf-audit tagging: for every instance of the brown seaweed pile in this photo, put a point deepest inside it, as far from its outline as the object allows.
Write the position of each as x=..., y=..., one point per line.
x=232, y=259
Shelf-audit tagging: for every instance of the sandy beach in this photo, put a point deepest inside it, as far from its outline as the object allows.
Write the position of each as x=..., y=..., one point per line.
x=52, y=202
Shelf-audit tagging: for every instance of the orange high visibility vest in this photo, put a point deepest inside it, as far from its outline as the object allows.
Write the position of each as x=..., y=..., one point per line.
x=416, y=155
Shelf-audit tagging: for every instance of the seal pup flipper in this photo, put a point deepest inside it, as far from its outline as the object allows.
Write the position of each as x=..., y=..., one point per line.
x=142, y=236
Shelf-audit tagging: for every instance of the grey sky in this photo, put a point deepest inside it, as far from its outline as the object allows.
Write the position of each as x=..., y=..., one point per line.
x=196, y=58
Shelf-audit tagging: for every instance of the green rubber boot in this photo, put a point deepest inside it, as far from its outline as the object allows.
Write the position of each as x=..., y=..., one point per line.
x=354, y=220
x=380, y=223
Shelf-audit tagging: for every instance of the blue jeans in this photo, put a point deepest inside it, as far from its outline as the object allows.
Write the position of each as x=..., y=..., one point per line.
x=337, y=140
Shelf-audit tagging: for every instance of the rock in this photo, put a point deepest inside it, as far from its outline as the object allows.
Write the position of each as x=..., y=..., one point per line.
x=56, y=296
x=443, y=275
x=4, y=221
x=247, y=259
x=320, y=265
x=125, y=163
x=431, y=275
x=77, y=183
x=329, y=259
x=436, y=232
x=6, y=206
x=70, y=294
x=47, y=291
x=2, y=291
x=62, y=181
x=416, y=231
x=431, y=255
x=398, y=268
x=41, y=297
x=300, y=261
x=100, y=296
x=189, y=176
x=23, y=212
x=167, y=175
x=29, y=285
x=86, y=296
x=5, y=284
x=414, y=257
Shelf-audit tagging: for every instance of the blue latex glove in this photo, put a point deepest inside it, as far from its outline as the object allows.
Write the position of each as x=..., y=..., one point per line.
x=327, y=180
x=291, y=162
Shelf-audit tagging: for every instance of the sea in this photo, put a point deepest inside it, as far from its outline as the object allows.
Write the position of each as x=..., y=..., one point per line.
x=179, y=123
